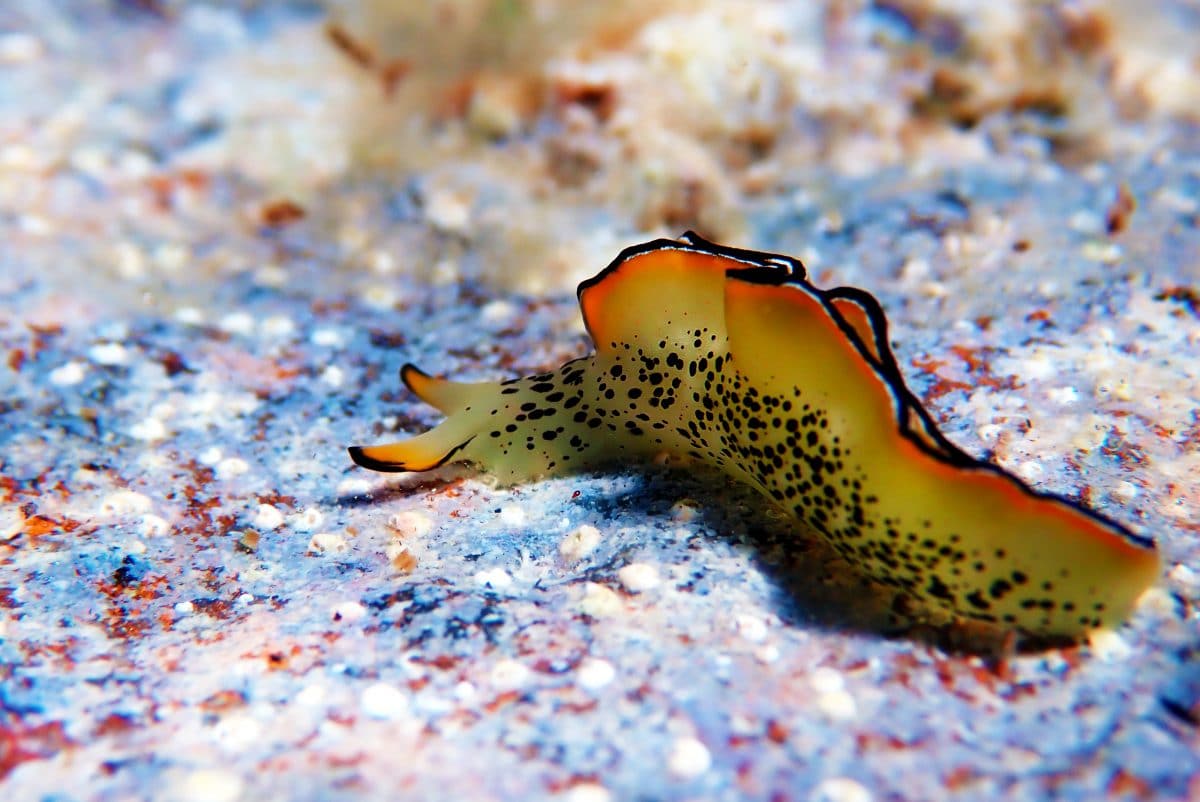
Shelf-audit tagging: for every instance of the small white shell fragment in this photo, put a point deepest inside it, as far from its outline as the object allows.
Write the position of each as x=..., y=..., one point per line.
x=594, y=673
x=841, y=789
x=267, y=517
x=278, y=326
x=1125, y=491
x=509, y=674
x=12, y=522
x=826, y=680
x=685, y=510
x=328, y=338
x=327, y=543
x=109, y=354
x=153, y=525
x=355, y=486
x=237, y=323
x=208, y=785
x=307, y=519
x=495, y=578
x=578, y=543
x=838, y=705
x=599, y=601
x=333, y=376
x=688, y=759
x=148, y=430
x=348, y=612
x=639, y=577
x=231, y=467
x=588, y=792
x=410, y=524
x=67, y=375
x=384, y=701
x=124, y=502
x=751, y=627
x=237, y=731
x=1109, y=646
x=512, y=515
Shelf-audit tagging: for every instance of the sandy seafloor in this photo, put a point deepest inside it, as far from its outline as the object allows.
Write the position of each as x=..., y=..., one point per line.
x=202, y=599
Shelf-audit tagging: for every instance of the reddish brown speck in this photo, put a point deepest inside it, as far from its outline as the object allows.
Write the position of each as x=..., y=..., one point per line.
x=1120, y=210
x=281, y=213
x=222, y=701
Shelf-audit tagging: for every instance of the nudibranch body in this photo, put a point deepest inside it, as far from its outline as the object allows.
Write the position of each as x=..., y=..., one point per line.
x=732, y=357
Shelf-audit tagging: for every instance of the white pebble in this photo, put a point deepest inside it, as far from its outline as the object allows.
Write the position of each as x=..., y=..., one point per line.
x=189, y=316
x=148, y=430
x=348, y=611
x=599, y=601
x=495, y=578
x=353, y=487
x=12, y=522
x=688, y=759
x=237, y=323
x=837, y=705
x=237, y=731
x=594, y=673
x=328, y=338
x=1125, y=492
x=639, y=577
x=1063, y=395
x=129, y=259
x=841, y=789
x=767, y=653
x=448, y=210
x=154, y=525
x=230, y=467
x=185, y=608
x=378, y=296
x=267, y=516
x=278, y=327
x=588, y=792
x=512, y=515
x=327, y=543
x=171, y=257
x=124, y=502
x=71, y=373
x=384, y=701
x=579, y=543
x=209, y=456
x=308, y=519
x=109, y=354
x=20, y=47
x=209, y=785
x=1185, y=576
x=311, y=695
x=1029, y=470
x=499, y=311
x=333, y=376
x=1109, y=646
x=826, y=680
x=509, y=674
x=685, y=510
x=410, y=524
x=751, y=627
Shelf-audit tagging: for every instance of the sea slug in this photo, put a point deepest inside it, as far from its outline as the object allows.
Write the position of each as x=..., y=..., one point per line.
x=732, y=357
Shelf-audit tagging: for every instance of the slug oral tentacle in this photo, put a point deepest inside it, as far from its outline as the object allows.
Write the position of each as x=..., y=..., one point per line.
x=731, y=357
